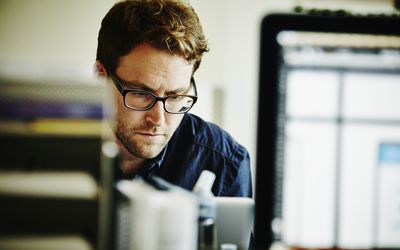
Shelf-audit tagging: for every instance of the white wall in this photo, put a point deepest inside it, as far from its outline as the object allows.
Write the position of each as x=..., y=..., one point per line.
x=50, y=36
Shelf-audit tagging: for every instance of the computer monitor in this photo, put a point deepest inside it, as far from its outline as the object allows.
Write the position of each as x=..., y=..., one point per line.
x=328, y=136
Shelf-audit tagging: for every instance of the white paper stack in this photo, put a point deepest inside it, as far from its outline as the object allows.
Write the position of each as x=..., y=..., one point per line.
x=158, y=220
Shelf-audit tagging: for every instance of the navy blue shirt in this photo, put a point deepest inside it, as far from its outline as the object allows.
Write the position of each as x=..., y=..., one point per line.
x=197, y=145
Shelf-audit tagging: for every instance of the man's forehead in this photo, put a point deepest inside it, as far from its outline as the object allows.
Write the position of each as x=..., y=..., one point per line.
x=154, y=68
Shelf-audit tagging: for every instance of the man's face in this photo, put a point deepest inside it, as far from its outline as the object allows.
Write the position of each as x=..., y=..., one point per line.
x=145, y=133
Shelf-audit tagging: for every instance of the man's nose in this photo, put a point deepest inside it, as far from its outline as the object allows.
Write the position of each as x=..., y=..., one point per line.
x=156, y=114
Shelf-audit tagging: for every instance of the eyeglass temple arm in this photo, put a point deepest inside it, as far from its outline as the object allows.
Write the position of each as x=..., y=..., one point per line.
x=117, y=83
x=194, y=85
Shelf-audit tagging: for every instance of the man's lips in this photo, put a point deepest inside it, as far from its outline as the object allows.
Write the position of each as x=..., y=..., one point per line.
x=153, y=138
x=149, y=134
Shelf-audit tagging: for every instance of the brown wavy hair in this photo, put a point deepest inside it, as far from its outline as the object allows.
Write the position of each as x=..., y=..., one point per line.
x=170, y=25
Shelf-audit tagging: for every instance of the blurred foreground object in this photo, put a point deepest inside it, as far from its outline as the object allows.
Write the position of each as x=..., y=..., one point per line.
x=55, y=166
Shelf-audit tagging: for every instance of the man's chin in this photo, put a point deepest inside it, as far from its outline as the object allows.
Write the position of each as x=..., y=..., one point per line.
x=141, y=149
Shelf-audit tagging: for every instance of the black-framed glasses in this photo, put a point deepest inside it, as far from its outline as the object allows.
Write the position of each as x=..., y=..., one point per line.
x=141, y=100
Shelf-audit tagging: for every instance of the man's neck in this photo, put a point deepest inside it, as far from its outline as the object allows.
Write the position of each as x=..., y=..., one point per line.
x=131, y=166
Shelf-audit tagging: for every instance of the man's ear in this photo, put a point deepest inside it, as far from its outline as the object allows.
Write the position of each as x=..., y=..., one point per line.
x=99, y=69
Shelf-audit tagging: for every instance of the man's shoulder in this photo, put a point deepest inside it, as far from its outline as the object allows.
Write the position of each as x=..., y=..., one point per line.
x=211, y=137
x=226, y=157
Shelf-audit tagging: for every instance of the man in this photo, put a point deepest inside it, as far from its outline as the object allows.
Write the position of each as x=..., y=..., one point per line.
x=148, y=51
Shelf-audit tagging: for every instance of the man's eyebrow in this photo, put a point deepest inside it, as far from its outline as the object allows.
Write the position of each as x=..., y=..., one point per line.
x=136, y=85
x=142, y=86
